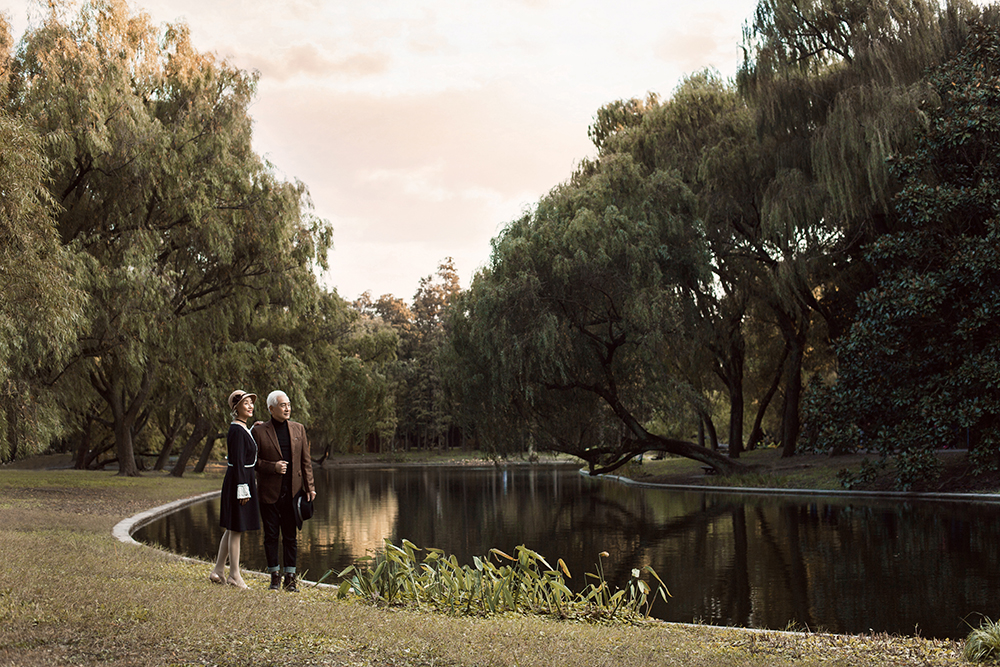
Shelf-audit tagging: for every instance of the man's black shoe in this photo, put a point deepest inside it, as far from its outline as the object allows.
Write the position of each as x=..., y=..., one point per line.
x=275, y=582
x=290, y=584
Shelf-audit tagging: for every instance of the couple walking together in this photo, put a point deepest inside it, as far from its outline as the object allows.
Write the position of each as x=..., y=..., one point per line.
x=278, y=450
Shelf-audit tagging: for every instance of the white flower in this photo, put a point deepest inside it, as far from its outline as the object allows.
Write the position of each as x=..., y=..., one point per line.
x=635, y=573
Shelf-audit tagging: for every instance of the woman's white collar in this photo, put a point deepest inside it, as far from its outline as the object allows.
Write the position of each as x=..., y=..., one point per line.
x=241, y=424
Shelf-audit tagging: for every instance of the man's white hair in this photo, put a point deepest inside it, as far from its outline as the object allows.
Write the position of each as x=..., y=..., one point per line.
x=272, y=398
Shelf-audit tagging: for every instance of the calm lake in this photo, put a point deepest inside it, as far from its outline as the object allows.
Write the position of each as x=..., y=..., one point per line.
x=831, y=563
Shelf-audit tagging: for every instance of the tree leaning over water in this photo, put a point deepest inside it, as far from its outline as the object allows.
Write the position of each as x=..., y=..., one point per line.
x=558, y=344
x=773, y=204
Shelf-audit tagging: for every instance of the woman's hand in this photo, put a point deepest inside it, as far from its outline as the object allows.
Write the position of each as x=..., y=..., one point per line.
x=244, y=501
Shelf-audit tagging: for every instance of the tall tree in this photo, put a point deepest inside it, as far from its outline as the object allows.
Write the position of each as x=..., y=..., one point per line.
x=705, y=133
x=428, y=400
x=421, y=410
x=560, y=341
x=160, y=190
x=918, y=369
x=40, y=303
x=838, y=86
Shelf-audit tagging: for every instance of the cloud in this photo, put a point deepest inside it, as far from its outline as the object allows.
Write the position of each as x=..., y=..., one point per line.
x=704, y=39
x=312, y=62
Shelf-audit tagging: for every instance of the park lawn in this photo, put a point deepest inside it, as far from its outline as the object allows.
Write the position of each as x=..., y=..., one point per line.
x=73, y=595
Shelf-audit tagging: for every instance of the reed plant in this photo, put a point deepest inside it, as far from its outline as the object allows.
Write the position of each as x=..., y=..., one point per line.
x=983, y=643
x=499, y=583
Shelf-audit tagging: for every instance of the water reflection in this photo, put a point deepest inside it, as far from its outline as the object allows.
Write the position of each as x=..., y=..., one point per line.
x=834, y=564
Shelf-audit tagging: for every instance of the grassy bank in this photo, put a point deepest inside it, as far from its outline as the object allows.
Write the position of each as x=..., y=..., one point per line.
x=811, y=471
x=72, y=594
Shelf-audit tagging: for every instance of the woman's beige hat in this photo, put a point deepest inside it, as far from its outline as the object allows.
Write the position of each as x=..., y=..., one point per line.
x=239, y=395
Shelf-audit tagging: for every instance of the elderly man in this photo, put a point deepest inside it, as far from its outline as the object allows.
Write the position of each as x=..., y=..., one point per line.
x=284, y=468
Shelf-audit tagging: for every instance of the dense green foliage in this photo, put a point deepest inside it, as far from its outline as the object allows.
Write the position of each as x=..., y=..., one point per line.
x=585, y=298
x=808, y=250
x=919, y=366
x=422, y=412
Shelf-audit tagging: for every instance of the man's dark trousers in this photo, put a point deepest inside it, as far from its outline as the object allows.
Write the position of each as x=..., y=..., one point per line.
x=274, y=517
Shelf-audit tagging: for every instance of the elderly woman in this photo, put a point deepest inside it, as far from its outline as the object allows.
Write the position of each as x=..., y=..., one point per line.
x=238, y=508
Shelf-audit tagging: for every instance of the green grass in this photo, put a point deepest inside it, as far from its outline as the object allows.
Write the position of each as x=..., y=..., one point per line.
x=72, y=594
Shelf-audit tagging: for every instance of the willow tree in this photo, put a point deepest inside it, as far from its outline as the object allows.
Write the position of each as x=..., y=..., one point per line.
x=161, y=194
x=40, y=306
x=838, y=86
x=705, y=134
x=560, y=342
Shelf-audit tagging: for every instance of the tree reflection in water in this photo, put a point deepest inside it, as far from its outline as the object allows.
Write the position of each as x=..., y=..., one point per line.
x=834, y=564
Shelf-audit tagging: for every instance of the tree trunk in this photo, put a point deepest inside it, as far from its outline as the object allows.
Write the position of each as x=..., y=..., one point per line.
x=168, y=444
x=95, y=452
x=84, y=446
x=713, y=435
x=206, y=452
x=123, y=413
x=79, y=459
x=734, y=373
x=757, y=434
x=793, y=389
x=644, y=441
x=198, y=431
x=652, y=443
x=13, y=413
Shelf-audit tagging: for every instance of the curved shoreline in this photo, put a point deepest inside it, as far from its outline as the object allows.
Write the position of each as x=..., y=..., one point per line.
x=125, y=528
x=986, y=498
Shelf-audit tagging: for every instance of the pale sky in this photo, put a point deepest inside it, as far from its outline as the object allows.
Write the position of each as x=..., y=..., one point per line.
x=422, y=127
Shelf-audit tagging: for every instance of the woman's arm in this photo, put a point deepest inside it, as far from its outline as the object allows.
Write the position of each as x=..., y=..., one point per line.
x=236, y=454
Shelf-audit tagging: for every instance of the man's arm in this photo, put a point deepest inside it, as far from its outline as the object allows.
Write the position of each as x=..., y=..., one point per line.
x=307, y=467
x=261, y=434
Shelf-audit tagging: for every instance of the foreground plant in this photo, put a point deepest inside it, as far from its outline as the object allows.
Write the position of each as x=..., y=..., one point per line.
x=983, y=643
x=525, y=584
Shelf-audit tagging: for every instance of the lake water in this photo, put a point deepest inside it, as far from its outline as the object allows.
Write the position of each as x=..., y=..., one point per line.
x=830, y=563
